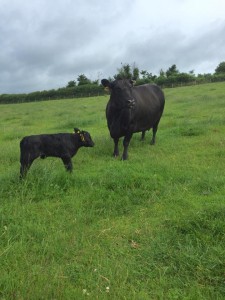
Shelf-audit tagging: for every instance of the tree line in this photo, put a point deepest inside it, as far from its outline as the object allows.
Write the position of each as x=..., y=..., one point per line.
x=84, y=87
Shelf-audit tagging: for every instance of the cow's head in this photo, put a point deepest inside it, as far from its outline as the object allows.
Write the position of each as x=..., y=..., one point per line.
x=84, y=137
x=120, y=90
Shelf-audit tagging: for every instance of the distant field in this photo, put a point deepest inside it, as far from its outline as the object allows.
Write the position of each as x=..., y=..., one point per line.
x=151, y=227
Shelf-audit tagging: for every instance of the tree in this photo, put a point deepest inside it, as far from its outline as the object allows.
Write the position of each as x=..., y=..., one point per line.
x=96, y=82
x=82, y=79
x=220, y=68
x=71, y=84
x=127, y=72
x=135, y=73
x=161, y=73
x=124, y=72
x=172, y=71
x=147, y=76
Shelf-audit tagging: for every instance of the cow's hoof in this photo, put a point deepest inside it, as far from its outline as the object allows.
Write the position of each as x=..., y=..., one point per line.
x=115, y=155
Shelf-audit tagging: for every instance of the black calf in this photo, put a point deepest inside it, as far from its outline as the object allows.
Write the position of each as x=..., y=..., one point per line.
x=62, y=145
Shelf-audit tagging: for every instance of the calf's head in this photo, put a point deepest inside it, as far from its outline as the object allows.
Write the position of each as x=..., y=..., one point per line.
x=84, y=138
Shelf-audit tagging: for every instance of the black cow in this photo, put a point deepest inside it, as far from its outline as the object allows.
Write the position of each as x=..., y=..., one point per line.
x=62, y=145
x=132, y=109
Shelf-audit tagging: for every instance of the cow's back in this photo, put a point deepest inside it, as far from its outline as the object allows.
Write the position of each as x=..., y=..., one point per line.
x=148, y=109
x=149, y=95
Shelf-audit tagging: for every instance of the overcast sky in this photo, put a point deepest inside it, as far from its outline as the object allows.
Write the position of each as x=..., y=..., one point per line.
x=46, y=43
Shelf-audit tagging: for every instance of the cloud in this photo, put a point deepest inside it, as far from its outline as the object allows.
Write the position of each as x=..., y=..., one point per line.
x=201, y=53
x=45, y=44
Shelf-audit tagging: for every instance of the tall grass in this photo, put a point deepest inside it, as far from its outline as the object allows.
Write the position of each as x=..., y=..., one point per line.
x=151, y=227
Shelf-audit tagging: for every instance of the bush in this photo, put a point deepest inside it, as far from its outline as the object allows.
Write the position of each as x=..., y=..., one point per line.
x=85, y=90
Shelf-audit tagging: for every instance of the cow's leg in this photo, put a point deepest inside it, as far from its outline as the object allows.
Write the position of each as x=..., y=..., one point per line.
x=143, y=135
x=126, y=143
x=67, y=163
x=116, y=147
x=154, y=130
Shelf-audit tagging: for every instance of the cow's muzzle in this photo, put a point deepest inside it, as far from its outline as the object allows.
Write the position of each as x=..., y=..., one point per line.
x=130, y=103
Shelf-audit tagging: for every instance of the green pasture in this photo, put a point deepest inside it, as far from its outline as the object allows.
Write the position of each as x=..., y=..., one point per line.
x=151, y=227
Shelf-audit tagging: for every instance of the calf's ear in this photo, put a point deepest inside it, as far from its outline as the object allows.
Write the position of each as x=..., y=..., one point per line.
x=76, y=130
x=82, y=137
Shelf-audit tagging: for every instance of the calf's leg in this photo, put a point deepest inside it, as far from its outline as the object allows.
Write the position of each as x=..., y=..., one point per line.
x=25, y=163
x=67, y=163
x=142, y=135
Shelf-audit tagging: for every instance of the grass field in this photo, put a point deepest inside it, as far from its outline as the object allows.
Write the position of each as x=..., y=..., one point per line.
x=151, y=227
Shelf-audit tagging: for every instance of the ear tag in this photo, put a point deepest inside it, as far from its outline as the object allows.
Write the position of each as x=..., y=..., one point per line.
x=82, y=137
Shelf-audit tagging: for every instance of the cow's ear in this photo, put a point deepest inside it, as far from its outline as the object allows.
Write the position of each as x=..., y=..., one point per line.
x=76, y=130
x=132, y=82
x=105, y=83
